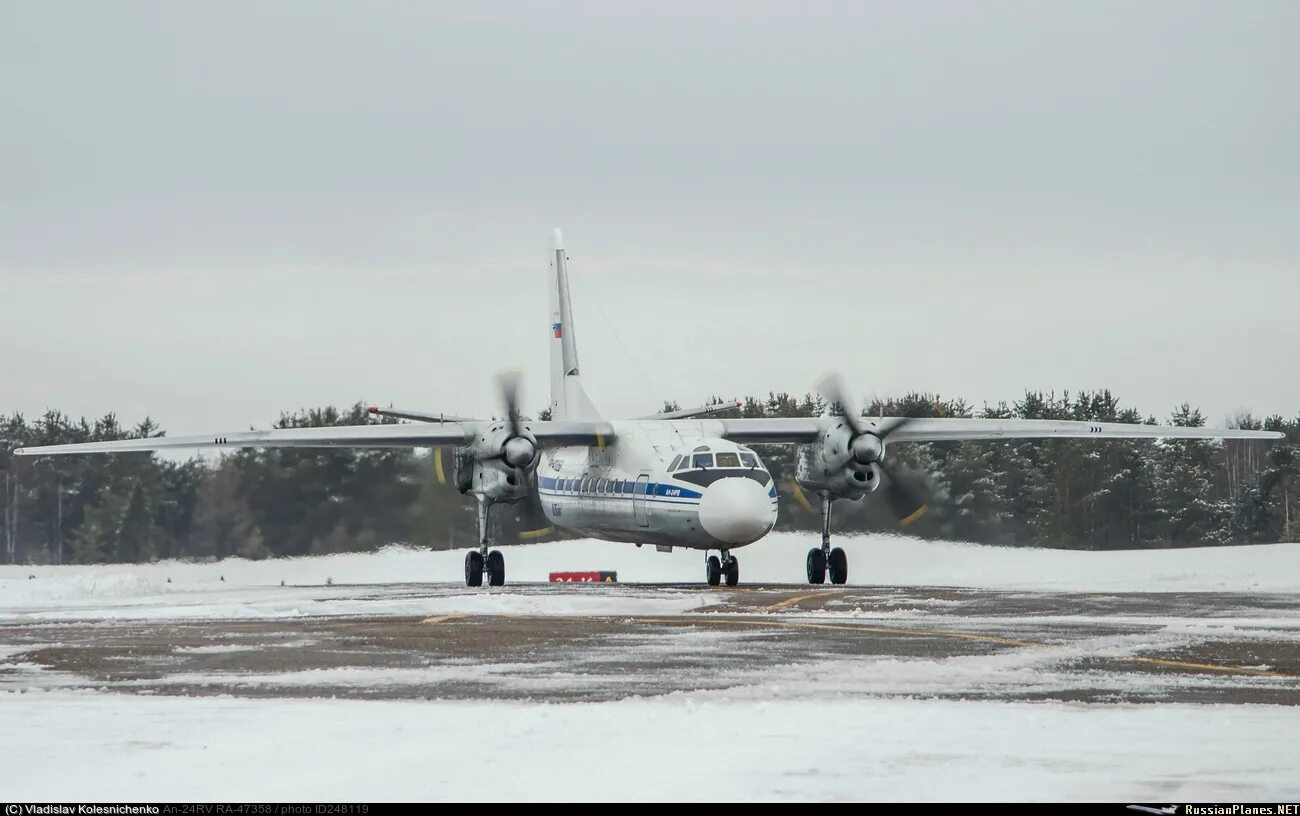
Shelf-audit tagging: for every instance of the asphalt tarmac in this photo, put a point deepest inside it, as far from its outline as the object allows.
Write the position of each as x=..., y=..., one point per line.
x=752, y=640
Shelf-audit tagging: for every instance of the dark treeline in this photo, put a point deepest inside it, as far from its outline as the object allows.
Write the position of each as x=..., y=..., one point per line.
x=1082, y=494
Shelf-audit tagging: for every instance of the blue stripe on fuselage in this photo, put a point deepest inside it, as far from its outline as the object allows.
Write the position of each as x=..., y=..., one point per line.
x=655, y=489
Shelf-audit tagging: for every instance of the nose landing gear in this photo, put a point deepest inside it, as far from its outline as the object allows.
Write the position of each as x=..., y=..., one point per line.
x=726, y=568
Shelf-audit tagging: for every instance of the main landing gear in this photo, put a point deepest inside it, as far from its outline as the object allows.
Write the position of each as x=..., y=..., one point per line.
x=483, y=561
x=824, y=559
x=726, y=568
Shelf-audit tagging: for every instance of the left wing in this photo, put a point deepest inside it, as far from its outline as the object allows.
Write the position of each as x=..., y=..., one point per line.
x=900, y=429
x=424, y=435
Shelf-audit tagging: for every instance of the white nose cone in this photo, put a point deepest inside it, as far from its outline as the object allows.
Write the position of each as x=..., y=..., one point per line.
x=736, y=510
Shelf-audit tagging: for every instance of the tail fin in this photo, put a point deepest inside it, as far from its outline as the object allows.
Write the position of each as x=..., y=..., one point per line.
x=568, y=400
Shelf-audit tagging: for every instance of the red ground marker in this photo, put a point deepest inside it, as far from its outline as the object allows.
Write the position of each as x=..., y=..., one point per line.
x=584, y=577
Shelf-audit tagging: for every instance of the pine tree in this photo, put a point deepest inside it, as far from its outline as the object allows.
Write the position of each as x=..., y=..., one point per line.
x=1190, y=516
x=223, y=523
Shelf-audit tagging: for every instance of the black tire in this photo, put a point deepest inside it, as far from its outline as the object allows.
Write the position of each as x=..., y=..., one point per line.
x=496, y=568
x=816, y=566
x=732, y=575
x=473, y=568
x=839, y=566
x=713, y=570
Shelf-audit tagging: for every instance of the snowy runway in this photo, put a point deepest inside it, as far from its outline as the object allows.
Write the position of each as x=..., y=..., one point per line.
x=556, y=643
x=352, y=682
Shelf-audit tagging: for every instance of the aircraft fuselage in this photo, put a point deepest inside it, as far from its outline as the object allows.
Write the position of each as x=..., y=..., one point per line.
x=662, y=485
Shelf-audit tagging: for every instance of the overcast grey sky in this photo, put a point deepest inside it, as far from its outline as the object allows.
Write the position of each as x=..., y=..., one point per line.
x=214, y=211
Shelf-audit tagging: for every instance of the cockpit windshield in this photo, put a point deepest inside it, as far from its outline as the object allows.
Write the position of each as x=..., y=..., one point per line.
x=704, y=467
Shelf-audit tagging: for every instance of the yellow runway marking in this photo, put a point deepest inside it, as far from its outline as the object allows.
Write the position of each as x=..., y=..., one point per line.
x=1183, y=664
x=949, y=633
x=444, y=618
x=800, y=598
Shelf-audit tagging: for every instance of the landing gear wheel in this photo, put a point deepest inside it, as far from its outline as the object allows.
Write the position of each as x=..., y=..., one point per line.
x=732, y=573
x=496, y=568
x=839, y=566
x=713, y=570
x=473, y=568
x=816, y=566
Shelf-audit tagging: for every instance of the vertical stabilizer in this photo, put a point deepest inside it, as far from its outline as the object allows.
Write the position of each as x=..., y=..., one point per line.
x=568, y=400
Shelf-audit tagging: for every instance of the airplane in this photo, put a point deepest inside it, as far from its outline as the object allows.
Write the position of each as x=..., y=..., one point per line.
x=675, y=479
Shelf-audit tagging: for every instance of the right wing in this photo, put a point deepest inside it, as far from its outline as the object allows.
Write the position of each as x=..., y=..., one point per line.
x=429, y=435
x=902, y=429
x=954, y=429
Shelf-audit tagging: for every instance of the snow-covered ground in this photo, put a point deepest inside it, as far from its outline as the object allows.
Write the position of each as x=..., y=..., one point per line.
x=252, y=588
x=107, y=747
x=835, y=729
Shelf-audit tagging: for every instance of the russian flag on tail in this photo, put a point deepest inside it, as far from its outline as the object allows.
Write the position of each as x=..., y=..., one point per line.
x=557, y=330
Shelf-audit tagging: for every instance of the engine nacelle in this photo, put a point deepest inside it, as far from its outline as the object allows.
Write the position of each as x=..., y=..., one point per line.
x=499, y=482
x=498, y=464
x=840, y=462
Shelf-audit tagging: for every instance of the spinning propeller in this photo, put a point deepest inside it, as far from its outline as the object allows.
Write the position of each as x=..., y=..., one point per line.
x=902, y=494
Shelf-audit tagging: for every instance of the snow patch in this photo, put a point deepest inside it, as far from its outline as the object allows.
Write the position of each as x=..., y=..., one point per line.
x=333, y=584
x=177, y=749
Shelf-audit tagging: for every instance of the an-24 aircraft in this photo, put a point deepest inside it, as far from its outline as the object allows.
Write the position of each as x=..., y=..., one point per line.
x=678, y=479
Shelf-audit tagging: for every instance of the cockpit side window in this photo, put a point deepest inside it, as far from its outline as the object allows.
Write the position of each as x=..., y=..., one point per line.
x=702, y=460
x=676, y=460
x=728, y=459
x=749, y=460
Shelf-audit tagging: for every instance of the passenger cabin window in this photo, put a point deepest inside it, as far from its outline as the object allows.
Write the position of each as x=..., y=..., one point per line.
x=728, y=459
x=586, y=483
x=676, y=460
x=618, y=485
x=702, y=460
x=749, y=460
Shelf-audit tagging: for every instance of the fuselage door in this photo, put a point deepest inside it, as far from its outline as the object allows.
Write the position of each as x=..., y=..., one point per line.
x=639, y=507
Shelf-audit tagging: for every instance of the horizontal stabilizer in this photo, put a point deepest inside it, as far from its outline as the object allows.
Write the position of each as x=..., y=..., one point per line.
x=703, y=410
x=417, y=416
